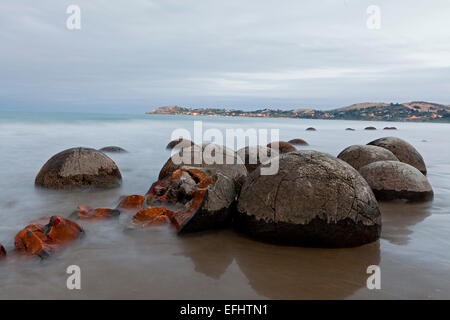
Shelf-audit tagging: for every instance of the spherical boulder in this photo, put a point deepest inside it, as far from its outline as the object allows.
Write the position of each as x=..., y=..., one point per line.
x=298, y=142
x=179, y=143
x=79, y=168
x=253, y=156
x=404, y=151
x=360, y=155
x=281, y=146
x=315, y=200
x=391, y=180
x=113, y=149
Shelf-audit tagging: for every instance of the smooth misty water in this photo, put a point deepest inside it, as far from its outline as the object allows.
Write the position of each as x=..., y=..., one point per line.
x=413, y=252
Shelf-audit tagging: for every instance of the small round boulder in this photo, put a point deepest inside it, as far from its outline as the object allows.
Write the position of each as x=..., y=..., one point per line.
x=360, y=155
x=298, y=142
x=113, y=149
x=79, y=168
x=404, y=151
x=314, y=200
x=281, y=146
x=391, y=180
x=311, y=129
x=370, y=128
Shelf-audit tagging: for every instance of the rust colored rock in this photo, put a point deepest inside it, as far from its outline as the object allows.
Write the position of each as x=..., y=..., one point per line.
x=281, y=146
x=391, y=180
x=2, y=252
x=43, y=240
x=370, y=128
x=79, y=168
x=404, y=151
x=311, y=129
x=113, y=149
x=253, y=156
x=314, y=200
x=360, y=155
x=88, y=213
x=151, y=217
x=211, y=156
x=201, y=198
x=179, y=143
x=298, y=142
x=131, y=203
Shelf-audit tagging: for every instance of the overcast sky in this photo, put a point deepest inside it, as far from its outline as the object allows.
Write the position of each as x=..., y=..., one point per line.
x=132, y=56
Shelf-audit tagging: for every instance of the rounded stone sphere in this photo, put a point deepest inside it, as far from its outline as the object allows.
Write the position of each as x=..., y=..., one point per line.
x=314, y=200
x=79, y=168
x=404, y=151
x=360, y=155
x=391, y=180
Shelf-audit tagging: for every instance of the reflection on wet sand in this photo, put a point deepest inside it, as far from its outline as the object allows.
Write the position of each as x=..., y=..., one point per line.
x=279, y=272
x=400, y=217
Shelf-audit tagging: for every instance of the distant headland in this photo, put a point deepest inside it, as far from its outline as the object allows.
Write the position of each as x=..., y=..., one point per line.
x=370, y=111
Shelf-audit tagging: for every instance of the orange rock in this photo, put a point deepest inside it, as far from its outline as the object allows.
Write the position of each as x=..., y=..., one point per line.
x=151, y=217
x=2, y=252
x=130, y=203
x=43, y=240
x=88, y=213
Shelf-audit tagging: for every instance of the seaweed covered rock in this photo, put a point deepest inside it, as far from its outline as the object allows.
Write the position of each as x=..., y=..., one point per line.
x=281, y=146
x=298, y=142
x=360, y=155
x=313, y=200
x=199, y=198
x=404, y=151
x=113, y=149
x=210, y=156
x=391, y=180
x=79, y=168
x=179, y=143
x=44, y=239
x=253, y=156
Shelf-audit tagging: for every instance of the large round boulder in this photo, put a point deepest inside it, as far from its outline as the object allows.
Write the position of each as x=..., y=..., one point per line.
x=79, y=168
x=315, y=199
x=392, y=180
x=404, y=151
x=254, y=156
x=360, y=155
x=211, y=156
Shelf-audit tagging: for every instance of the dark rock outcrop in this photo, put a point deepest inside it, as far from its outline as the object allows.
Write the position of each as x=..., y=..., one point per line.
x=391, y=180
x=281, y=146
x=298, y=142
x=313, y=200
x=360, y=155
x=79, y=168
x=404, y=151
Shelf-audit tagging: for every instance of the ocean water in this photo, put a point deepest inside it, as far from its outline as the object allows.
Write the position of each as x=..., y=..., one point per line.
x=413, y=252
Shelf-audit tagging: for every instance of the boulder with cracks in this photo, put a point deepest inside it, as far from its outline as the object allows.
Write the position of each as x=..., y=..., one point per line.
x=360, y=155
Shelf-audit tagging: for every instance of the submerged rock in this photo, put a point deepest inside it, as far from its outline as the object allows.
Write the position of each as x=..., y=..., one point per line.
x=254, y=156
x=310, y=129
x=2, y=252
x=179, y=143
x=370, y=128
x=298, y=142
x=389, y=128
x=79, y=168
x=199, y=198
x=88, y=213
x=392, y=180
x=151, y=217
x=314, y=200
x=113, y=149
x=44, y=239
x=360, y=155
x=404, y=151
x=350, y=129
x=281, y=146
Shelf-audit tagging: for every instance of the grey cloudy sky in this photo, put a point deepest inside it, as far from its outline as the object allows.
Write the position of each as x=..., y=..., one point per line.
x=135, y=55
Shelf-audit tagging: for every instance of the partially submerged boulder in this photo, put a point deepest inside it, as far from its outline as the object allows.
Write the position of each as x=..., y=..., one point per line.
x=179, y=143
x=298, y=142
x=199, y=198
x=2, y=252
x=44, y=239
x=151, y=217
x=313, y=200
x=310, y=129
x=389, y=128
x=404, y=151
x=370, y=128
x=360, y=155
x=132, y=203
x=281, y=146
x=113, y=149
x=88, y=213
x=79, y=168
x=254, y=156
x=350, y=129
x=391, y=180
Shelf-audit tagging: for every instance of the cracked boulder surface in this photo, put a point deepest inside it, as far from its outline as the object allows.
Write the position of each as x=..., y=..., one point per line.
x=391, y=180
x=253, y=156
x=360, y=155
x=2, y=252
x=314, y=200
x=44, y=239
x=404, y=151
x=199, y=199
x=79, y=168
x=281, y=146
x=298, y=142
x=179, y=144
x=209, y=156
